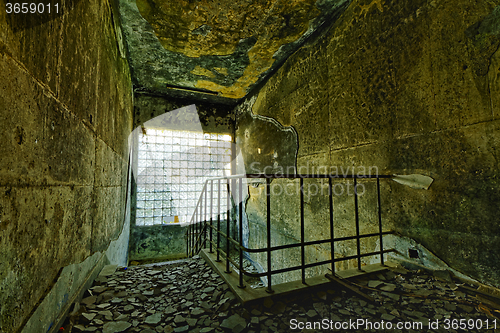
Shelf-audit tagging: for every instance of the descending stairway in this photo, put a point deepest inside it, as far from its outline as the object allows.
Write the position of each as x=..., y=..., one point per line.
x=209, y=235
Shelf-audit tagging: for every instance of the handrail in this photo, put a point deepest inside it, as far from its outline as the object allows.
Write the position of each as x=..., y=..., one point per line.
x=298, y=175
x=200, y=224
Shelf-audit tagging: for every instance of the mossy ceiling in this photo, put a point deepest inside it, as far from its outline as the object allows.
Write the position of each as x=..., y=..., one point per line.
x=220, y=49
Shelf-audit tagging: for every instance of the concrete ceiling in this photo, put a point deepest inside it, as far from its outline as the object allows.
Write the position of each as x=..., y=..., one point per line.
x=216, y=50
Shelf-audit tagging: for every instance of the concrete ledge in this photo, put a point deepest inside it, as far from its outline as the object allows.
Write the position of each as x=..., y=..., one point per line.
x=249, y=295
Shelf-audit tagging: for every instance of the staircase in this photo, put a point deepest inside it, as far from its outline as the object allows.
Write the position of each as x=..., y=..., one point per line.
x=220, y=240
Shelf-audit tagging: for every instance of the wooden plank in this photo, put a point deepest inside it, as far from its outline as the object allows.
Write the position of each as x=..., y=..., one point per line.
x=347, y=285
x=478, y=291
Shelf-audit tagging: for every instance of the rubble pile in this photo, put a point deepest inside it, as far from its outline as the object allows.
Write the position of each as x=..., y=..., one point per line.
x=187, y=296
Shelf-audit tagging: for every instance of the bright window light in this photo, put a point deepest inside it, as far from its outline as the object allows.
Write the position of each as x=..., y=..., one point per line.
x=172, y=169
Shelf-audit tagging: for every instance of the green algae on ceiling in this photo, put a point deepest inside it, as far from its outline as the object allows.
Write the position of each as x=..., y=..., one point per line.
x=224, y=47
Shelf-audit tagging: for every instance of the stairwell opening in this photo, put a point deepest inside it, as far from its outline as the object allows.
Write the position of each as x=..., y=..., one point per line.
x=172, y=157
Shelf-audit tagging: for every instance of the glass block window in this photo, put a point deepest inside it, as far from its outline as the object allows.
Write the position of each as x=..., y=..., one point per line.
x=172, y=169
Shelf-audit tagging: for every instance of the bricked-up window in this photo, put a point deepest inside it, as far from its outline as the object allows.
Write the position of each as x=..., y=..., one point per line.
x=172, y=169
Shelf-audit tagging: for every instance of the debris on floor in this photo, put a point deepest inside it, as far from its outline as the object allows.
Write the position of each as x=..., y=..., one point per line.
x=187, y=296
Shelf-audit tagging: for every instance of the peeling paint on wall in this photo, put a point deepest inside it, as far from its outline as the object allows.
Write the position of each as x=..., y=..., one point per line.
x=265, y=145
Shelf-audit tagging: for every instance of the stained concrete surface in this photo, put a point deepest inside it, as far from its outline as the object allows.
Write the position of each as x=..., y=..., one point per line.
x=186, y=296
x=265, y=145
x=162, y=242
x=216, y=51
x=65, y=115
x=213, y=118
x=406, y=87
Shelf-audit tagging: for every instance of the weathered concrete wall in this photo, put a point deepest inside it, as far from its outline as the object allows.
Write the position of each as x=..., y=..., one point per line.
x=408, y=87
x=213, y=118
x=66, y=112
x=223, y=48
x=158, y=242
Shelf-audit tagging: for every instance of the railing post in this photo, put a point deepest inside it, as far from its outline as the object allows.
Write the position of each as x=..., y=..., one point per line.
x=358, y=243
x=227, y=226
x=302, y=232
x=211, y=212
x=332, y=233
x=205, y=220
x=268, y=226
x=218, y=221
x=240, y=198
x=193, y=235
x=200, y=218
x=380, y=222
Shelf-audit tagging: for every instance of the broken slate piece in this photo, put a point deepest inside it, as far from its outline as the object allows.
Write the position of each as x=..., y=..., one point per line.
x=235, y=323
x=374, y=283
x=388, y=287
x=181, y=329
x=88, y=317
x=153, y=319
x=116, y=326
x=89, y=300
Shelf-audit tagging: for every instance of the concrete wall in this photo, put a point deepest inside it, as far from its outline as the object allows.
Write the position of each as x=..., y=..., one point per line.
x=65, y=115
x=159, y=243
x=407, y=87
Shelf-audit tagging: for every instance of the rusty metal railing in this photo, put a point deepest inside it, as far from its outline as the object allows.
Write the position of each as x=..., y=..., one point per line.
x=205, y=231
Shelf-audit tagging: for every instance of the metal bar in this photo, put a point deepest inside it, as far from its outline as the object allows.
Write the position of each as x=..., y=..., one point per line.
x=218, y=220
x=188, y=247
x=380, y=222
x=268, y=227
x=294, y=268
x=197, y=224
x=358, y=243
x=240, y=198
x=195, y=230
x=302, y=232
x=204, y=237
x=211, y=212
x=295, y=176
x=289, y=246
x=332, y=233
x=227, y=226
x=190, y=236
x=200, y=218
x=364, y=255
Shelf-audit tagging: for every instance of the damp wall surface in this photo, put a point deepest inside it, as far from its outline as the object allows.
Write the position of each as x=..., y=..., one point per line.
x=65, y=117
x=397, y=88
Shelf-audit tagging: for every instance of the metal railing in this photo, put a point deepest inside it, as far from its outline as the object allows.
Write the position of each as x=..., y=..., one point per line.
x=203, y=225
